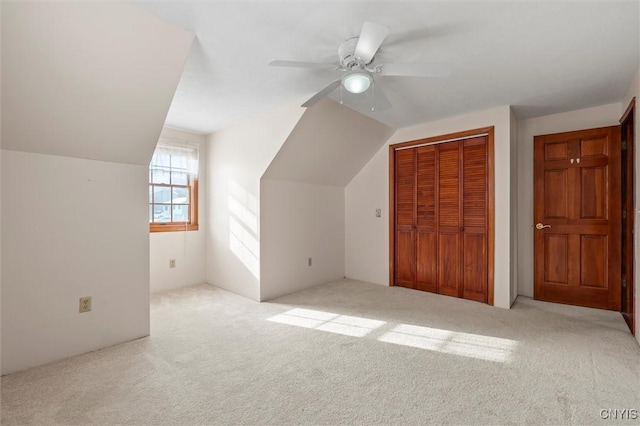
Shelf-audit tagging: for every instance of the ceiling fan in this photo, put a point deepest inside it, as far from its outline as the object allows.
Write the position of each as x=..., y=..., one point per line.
x=356, y=63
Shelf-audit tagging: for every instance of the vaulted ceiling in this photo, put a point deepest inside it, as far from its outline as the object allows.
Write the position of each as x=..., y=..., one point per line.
x=87, y=80
x=539, y=57
x=328, y=146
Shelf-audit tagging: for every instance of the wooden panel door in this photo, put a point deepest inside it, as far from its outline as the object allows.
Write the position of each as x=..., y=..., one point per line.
x=405, y=182
x=449, y=219
x=474, y=219
x=577, y=216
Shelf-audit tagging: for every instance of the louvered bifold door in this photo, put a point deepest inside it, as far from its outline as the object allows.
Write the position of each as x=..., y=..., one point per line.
x=441, y=218
x=474, y=219
x=449, y=214
x=426, y=247
x=405, y=181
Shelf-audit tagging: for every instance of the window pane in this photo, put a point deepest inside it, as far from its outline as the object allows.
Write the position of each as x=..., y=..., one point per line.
x=161, y=194
x=150, y=194
x=150, y=213
x=161, y=213
x=178, y=162
x=178, y=178
x=159, y=175
x=180, y=195
x=163, y=160
x=180, y=213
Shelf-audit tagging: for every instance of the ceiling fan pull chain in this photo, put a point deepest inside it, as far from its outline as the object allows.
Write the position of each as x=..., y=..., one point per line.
x=341, y=88
x=373, y=97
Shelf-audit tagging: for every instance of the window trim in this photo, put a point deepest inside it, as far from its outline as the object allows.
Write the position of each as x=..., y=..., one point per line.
x=192, y=225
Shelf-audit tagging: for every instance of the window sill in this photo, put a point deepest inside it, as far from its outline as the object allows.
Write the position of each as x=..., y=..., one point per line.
x=172, y=228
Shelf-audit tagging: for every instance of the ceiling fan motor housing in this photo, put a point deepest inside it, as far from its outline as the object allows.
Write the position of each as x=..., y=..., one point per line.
x=346, y=54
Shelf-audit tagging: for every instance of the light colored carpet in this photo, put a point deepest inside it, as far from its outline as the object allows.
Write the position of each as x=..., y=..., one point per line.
x=346, y=352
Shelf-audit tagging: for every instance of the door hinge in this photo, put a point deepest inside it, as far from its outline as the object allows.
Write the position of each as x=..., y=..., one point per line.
x=624, y=214
x=624, y=283
x=624, y=145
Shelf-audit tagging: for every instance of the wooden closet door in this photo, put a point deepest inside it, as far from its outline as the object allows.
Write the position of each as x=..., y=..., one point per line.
x=474, y=222
x=426, y=247
x=449, y=219
x=441, y=200
x=405, y=179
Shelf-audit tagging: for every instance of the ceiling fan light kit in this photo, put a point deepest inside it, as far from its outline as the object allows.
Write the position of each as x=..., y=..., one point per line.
x=355, y=59
x=357, y=82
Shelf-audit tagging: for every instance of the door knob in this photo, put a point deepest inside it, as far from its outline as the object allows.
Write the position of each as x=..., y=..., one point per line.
x=541, y=226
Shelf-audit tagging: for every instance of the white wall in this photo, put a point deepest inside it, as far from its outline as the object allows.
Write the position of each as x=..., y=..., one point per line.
x=89, y=111
x=76, y=228
x=236, y=160
x=0, y=198
x=302, y=196
x=605, y=115
x=634, y=91
x=186, y=247
x=300, y=221
x=367, y=238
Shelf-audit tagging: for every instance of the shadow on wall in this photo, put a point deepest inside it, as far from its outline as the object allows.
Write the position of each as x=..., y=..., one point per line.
x=243, y=227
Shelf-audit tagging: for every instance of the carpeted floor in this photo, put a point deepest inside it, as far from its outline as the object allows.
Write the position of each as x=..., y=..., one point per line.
x=346, y=352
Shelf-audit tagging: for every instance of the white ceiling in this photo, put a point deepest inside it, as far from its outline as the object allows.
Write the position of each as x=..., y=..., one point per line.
x=87, y=80
x=539, y=57
x=323, y=154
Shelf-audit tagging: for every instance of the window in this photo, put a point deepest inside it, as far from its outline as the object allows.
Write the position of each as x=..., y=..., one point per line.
x=173, y=187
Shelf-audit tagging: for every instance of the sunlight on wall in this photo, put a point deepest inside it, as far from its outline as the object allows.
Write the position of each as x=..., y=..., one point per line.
x=326, y=321
x=245, y=247
x=476, y=346
x=243, y=213
x=243, y=227
x=451, y=342
x=248, y=200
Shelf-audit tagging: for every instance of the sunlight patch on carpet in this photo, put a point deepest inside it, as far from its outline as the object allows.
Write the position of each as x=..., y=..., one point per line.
x=452, y=342
x=327, y=321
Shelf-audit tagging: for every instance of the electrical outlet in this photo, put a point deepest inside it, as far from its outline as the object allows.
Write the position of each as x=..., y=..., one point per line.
x=378, y=212
x=309, y=262
x=172, y=263
x=85, y=304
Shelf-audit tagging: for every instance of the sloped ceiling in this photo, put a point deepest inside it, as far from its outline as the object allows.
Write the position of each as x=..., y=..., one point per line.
x=541, y=57
x=87, y=80
x=328, y=146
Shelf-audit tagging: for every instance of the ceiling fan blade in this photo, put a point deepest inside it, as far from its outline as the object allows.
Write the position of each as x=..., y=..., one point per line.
x=321, y=94
x=380, y=100
x=301, y=64
x=415, y=70
x=371, y=37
